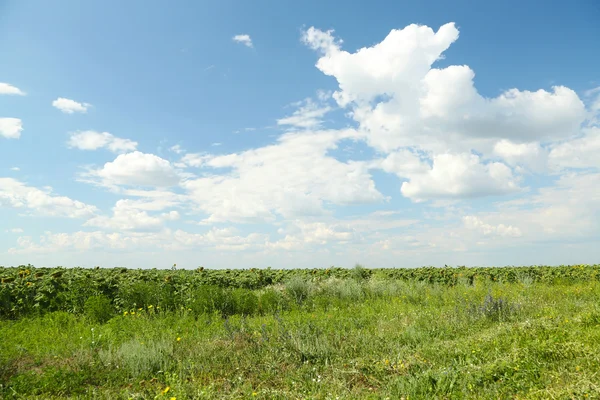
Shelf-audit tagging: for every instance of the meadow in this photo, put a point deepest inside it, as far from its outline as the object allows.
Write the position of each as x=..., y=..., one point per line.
x=424, y=333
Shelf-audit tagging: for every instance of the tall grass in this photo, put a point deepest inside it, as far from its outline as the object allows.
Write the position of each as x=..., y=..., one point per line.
x=336, y=338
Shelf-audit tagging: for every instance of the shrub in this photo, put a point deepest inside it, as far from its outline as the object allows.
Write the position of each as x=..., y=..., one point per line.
x=270, y=301
x=493, y=309
x=208, y=299
x=140, y=359
x=360, y=273
x=99, y=308
x=244, y=301
x=141, y=294
x=298, y=289
x=343, y=289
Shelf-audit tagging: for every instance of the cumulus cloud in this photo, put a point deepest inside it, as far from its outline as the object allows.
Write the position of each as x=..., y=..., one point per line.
x=11, y=128
x=399, y=99
x=451, y=176
x=136, y=169
x=420, y=115
x=243, y=39
x=132, y=215
x=91, y=140
x=293, y=177
x=530, y=155
x=15, y=194
x=69, y=106
x=9, y=89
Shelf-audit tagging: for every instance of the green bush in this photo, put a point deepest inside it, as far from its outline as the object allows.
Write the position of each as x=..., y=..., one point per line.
x=244, y=301
x=208, y=299
x=360, y=273
x=271, y=301
x=143, y=294
x=298, y=289
x=99, y=309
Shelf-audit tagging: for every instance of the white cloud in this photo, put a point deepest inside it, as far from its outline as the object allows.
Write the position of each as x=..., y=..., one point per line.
x=581, y=152
x=530, y=155
x=14, y=230
x=11, y=128
x=91, y=140
x=15, y=194
x=193, y=160
x=165, y=240
x=132, y=215
x=69, y=106
x=6, y=88
x=567, y=211
x=16, y=169
x=308, y=116
x=136, y=169
x=293, y=177
x=474, y=223
x=400, y=101
x=451, y=176
x=244, y=39
x=177, y=149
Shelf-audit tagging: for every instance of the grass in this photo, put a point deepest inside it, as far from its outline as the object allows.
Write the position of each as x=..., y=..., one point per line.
x=337, y=339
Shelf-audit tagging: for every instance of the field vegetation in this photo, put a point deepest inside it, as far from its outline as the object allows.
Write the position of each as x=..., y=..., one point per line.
x=425, y=333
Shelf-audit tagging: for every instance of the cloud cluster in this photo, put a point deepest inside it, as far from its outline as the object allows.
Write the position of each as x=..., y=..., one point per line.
x=69, y=106
x=293, y=177
x=16, y=194
x=91, y=140
x=11, y=128
x=136, y=169
x=8, y=89
x=427, y=125
x=243, y=39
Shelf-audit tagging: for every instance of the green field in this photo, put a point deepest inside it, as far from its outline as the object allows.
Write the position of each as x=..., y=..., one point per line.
x=426, y=333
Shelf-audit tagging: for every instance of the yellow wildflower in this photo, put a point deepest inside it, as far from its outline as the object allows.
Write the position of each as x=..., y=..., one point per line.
x=150, y=306
x=166, y=390
x=254, y=394
x=179, y=339
x=173, y=398
x=125, y=313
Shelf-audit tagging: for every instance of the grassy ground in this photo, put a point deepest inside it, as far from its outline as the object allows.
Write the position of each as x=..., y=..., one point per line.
x=342, y=339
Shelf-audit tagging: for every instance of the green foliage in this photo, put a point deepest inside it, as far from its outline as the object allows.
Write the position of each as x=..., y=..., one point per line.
x=99, y=309
x=298, y=289
x=360, y=273
x=375, y=338
x=270, y=301
x=494, y=309
x=28, y=291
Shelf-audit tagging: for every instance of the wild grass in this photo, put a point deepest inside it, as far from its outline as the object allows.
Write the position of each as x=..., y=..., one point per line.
x=358, y=337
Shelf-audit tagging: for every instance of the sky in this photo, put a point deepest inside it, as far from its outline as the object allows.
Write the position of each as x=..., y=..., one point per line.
x=238, y=134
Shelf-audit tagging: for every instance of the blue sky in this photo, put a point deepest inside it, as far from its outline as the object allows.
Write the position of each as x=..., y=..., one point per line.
x=253, y=134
